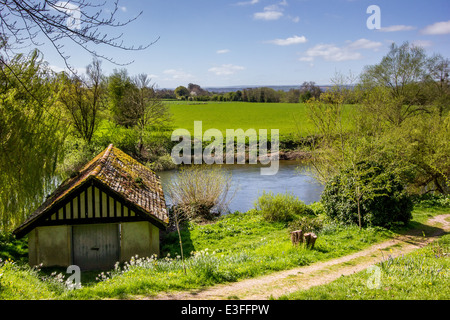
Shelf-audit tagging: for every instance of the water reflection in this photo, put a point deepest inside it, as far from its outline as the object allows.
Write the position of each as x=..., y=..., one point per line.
x=249, y=184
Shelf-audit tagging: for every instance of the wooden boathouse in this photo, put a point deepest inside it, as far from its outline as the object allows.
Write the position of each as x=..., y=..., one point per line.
x=111, y=210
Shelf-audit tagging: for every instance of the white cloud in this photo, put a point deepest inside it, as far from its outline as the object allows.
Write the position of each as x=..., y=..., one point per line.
x=225, y=69
x=272, y=12
x=331, y=52
x=396, y=28
x=123, y=8
x=437, y=28
x=245, y=3
x=178, y=74
x=422, y=43
x=222, y=51
x=364, y=44
x=288, y=41
x=73, y=13
x=268, y=15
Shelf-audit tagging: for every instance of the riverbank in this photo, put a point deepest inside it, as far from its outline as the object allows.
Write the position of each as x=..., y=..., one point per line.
x=237, y=247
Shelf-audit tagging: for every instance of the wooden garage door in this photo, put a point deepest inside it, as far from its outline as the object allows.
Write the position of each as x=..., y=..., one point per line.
x=96, y=247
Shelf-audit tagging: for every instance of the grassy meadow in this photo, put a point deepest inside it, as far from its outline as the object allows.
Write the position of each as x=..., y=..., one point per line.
x=288, y=118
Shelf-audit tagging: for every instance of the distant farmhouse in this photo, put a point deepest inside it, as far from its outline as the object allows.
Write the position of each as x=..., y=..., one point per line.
x=110, y=211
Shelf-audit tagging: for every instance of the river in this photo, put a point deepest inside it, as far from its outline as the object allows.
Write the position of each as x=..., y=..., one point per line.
x=249, y=184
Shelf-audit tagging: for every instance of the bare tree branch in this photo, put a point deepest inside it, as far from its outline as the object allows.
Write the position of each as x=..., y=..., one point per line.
x=82, y=22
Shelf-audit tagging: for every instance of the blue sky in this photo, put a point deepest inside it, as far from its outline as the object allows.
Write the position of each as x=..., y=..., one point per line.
x=264, y=42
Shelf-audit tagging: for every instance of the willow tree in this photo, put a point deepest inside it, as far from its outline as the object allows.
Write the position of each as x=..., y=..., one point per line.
x=30, y=136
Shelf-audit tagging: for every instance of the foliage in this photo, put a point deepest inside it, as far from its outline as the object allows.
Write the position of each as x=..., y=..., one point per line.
x=162, y=163
x=396, y=83
x=13, y=249
x=382, y=202
x=19, y=281
x=181, y=92
x=401, y=123
x=280, y=207
x=200, y=192
x=309, y=90
x=31, y=134
x=84, y=99
x=429, y=200
x=306, y=224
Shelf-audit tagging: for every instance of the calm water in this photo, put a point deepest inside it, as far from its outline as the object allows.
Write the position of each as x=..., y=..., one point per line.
x=291, y=177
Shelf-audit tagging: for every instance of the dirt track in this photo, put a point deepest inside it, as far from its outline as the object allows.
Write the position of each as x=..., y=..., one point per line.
x=279, y=283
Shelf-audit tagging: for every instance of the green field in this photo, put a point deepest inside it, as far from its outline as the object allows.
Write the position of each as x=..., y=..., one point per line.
x=288, y=118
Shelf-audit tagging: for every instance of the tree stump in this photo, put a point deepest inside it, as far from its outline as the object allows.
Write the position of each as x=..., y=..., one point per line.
x=297, y=237
x=310, y=240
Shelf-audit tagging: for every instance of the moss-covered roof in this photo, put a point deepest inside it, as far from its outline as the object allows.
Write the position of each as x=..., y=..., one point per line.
x=123, y=175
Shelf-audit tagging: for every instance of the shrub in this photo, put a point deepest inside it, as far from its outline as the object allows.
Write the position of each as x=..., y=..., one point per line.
x=162, y=163
x=383, y=202
x=317, y=208
x=201, y=192
x=432, y=200
x=281, y=207
x=306, y=224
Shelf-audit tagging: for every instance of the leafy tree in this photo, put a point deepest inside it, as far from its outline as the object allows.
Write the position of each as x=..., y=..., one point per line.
x=367, y=194
x=309, y=90
x=196, y=90
x=439, y=86
x=144, y=108
x=292, y=96
x=119, y=86
x=396, y=86
x=182, y=92
x=84, y=99
x=31, y=135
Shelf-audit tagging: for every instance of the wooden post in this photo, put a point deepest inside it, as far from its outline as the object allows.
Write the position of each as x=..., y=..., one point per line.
x=310, y=239
x=297, y=237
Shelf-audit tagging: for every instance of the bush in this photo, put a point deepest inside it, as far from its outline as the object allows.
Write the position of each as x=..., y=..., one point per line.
x=432, y=200
x=306, y=224
x=200, y=192
x=317, y=208
x=281, y=207
x=383, y=202
x=162, y=163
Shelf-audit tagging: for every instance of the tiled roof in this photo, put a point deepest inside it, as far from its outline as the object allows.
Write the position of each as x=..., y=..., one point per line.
x=122, y=174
